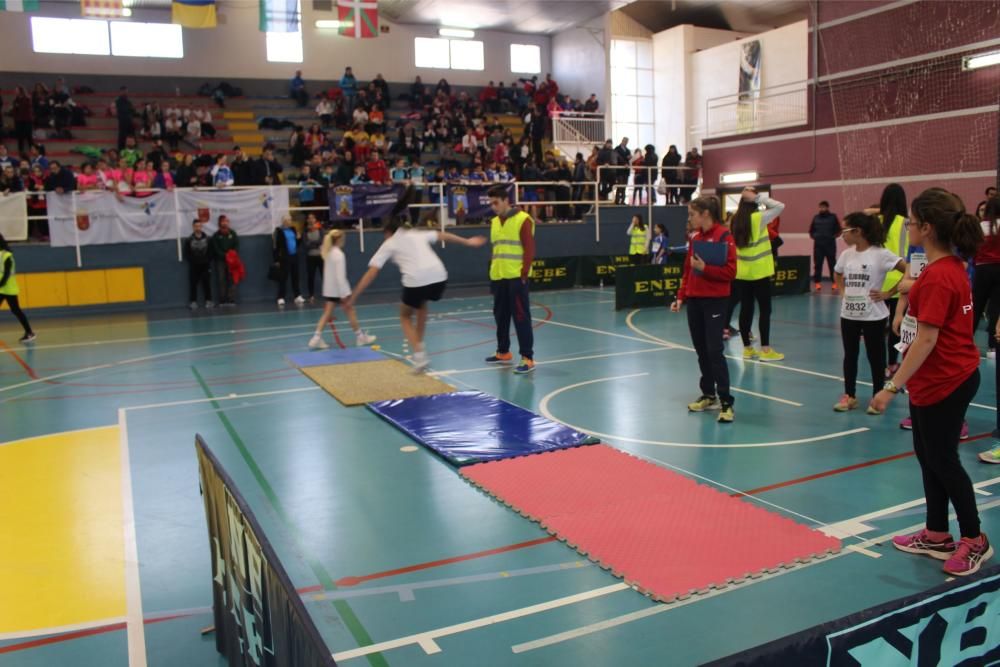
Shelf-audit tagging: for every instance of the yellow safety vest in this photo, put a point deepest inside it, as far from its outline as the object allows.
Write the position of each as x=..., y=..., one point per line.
x=638, y=242
x=508, y=253
x=756, y=260
x=10, y=287
x=897, y=241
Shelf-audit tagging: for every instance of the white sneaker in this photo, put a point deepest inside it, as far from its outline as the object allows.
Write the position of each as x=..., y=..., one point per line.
x=210, y=305
x=194, y=305
x=317, y=343
x=991, y=353
x=420, y=362
x=365, y=339
x=281, y=303
x=299, y=300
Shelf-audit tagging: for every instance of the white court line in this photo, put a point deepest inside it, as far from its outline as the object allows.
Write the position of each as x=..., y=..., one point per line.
x=135, y=627
x=547, y=363
x=737, y=390
x=231, y=397
x=543, y=407
x=624, y=619
x=61, y=629
x=606, y=333
x=426, y=639
x=46, y=435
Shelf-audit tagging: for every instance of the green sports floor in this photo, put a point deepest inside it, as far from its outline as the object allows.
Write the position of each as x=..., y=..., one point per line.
x=399, y=560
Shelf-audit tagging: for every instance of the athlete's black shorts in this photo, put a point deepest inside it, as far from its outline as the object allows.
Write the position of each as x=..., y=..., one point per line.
x=416, y=297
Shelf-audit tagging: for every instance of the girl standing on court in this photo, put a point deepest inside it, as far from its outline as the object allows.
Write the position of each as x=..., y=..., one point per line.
x=705, y=287
x=986, y=282
x=861, y=271
x=754, y=268
x=335, y=290
x=892, y=213
x=9, y=289
x=660, y=245
x=636, y=233
x=940, y=370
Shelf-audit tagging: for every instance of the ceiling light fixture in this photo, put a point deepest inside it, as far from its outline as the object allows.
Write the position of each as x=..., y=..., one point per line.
x=982, y=60
x=739, y=177
x=457, y=32
x=326, y=24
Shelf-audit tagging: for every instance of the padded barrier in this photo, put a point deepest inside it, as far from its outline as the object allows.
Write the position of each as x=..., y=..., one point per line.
x=472, y=427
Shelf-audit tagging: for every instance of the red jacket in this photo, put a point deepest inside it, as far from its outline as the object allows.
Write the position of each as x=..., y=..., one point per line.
x=714, y=281
x=989, y=252
x=377, y=171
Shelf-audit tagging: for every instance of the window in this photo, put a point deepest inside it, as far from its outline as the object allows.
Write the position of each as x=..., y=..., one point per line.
x=525, y=59
x=286, y=47
x=79, y=36
x=146, y=40
x=632, y=92
x=467, y=54
x=433, y=53
x=436, y=53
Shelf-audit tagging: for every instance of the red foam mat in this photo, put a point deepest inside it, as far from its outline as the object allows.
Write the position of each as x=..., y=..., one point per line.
x=662, y=532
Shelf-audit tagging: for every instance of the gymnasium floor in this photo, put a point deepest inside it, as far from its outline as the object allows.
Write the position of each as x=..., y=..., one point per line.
x=391, y=547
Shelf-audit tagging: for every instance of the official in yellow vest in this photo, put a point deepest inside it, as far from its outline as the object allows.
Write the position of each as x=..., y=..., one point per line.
x=512, y=237
x=893, y=210
x=638, y=240
x=9, y=289
x=754, y=268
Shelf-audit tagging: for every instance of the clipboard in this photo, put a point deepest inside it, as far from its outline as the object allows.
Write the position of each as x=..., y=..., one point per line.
x=714, y=253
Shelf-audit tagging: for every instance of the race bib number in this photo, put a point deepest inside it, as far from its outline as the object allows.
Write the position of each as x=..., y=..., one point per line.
x=907, y=333
x=857, y=304
x=918, y=262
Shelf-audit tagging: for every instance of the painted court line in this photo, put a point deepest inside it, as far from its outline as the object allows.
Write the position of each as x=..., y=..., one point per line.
x=625, y=619
x=133, y=595
x=62, y=629
x=548, y=362
x=426, y=640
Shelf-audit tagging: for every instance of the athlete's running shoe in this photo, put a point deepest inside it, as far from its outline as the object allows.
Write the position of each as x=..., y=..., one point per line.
x=969, y=556
x=921, y=543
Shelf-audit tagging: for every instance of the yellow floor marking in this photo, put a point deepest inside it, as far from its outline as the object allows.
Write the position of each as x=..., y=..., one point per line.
x=62, y=553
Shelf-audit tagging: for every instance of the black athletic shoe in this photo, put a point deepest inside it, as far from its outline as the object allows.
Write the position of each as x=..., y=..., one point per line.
x=27, y=338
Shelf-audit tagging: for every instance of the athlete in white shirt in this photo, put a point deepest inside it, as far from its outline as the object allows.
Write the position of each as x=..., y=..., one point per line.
x=336, y=290
x=423, y=276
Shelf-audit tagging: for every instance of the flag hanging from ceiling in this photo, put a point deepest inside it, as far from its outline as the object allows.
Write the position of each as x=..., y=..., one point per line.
x=102, y=9
x=193, y=13
x=18, y=5
x=279, y=15
x=358, y=18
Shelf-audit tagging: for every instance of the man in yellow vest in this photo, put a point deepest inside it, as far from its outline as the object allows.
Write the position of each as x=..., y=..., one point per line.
x=512, y=236
x=9, y=290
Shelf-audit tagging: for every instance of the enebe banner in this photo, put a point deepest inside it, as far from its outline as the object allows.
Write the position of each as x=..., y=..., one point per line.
x=554, y=273
x=600, y=269
x=260, y=620
x=94, y=218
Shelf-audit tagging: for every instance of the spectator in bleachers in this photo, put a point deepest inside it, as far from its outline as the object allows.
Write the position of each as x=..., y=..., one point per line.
x=143, y=176
x=376, y=169
x=349, y=86
x=360, y=116
x=192, y=131
x=307, y=186
x=325, y=111
x=204, y=116
x=266, y=170
x=443, y=87
x=489, y=97
x=36, y=156
x=24, y=115
x=87, y=179
x=164, y=178
x=187, y=173
x=299, y=146
x=297, y=89
x=157, y=155
x=418, y=94
x=40, y=105
x=10, y=181
x=622, y=158
x=360, y=176
x=383, y=88
x=59, y=180
x=124, y=113
x=650, y=160
x=670, y=175
x=35, y=184
x=6, y=159
x=130, y=153
x=242, y=167
x=222, y=175
x=172, y=128
x=376, y=118
x=223, y=241
x=379, y=142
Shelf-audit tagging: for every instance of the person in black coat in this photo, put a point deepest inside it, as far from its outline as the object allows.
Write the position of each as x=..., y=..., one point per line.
x=266, y=170
x=670, y=175
x=124, y=113
x=59, y=180
x=651, y=159
x=824, y=230
x=623, y=157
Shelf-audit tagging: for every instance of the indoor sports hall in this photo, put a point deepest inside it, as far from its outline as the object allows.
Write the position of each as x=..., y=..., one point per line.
x=557, y=333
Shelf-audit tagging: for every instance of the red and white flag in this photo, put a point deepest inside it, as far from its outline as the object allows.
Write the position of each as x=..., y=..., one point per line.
x=102, y=9
x=358, y=18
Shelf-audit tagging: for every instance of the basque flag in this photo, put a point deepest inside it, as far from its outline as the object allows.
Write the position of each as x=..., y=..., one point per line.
x=358, y=18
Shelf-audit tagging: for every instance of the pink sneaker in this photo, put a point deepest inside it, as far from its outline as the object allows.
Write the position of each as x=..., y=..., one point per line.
x=921, y=543
x=968, y=557
x=906, y=424
x=964, y=435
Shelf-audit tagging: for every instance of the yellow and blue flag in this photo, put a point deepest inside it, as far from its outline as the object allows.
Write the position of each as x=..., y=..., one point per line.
x=193, y=13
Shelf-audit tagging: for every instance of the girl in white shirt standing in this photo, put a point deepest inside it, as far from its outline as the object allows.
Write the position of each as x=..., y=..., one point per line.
x=336, y=290
x=861, y=270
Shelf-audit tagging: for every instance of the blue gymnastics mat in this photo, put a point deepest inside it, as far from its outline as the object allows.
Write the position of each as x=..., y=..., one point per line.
x=350, y=355
x=468, y=427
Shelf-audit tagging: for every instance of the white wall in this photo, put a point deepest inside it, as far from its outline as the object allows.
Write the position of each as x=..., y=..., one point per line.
x=236, y=50
x=671, y=86
x=579, y=62
x=715, y=71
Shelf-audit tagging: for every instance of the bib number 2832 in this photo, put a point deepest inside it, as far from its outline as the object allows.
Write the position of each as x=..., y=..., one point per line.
x=857, y=305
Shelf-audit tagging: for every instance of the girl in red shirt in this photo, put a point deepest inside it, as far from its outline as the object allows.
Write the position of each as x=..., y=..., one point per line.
x=986, y=283
x=705, y=287
x=940, y=370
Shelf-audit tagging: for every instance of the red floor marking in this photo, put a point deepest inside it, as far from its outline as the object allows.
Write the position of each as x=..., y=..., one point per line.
x=27, y=369
x=90, y=632
x=354, y=581
x=837, y=471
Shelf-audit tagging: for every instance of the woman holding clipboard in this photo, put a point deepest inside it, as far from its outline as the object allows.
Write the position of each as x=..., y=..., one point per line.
x=709, y=270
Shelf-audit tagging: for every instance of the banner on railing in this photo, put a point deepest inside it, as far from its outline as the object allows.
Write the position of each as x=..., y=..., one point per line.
x=14, y=216
x=96, y=218
x=600, y=269
x=350, y=202
x=791, y=275
x=554, y=273
x=649, y=285
x=472, y=201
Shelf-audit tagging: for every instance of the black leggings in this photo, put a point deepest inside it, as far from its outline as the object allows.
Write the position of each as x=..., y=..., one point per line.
x=936, y=430
x=851, y=332
x=892, y=352
x=986, y=299
x=15, y=309
x=705, y=323
x=749, y=291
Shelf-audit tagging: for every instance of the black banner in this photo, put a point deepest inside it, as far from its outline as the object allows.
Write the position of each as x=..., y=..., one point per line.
x=260, y=620
x=471, y=200
x=600, y=269
x=554, y=273
x=648, y=285
x=791, y=276
x=954, y=624
x=349, y=202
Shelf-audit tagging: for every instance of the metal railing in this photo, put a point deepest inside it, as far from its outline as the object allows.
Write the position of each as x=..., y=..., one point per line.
x=772, y=108
x=574, y=132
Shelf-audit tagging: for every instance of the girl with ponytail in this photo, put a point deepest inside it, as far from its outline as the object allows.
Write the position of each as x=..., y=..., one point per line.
x=335, y=290
x=940, y=370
